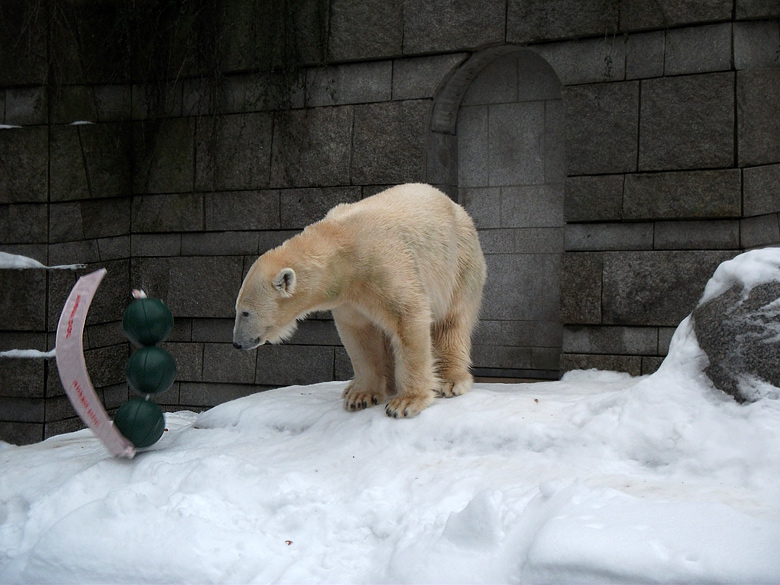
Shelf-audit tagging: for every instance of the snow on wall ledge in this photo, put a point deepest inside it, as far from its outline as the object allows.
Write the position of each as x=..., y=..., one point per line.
x=17, y=262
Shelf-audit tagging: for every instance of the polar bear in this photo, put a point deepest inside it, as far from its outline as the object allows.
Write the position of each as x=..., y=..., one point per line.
x=401, y=271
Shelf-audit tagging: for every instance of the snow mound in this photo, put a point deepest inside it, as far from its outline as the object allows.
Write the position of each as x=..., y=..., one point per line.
x=597, y=478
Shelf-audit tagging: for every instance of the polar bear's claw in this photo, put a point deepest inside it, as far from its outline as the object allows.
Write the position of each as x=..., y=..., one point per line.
x=360, y=399
x=449, y=388
x=405, y=407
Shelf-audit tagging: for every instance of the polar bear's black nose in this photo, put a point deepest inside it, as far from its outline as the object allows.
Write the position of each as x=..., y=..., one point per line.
x=237, y=345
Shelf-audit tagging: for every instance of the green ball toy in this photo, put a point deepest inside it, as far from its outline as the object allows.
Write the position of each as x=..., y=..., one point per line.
x=151, y=370
x=147, y=322
x=140, y=421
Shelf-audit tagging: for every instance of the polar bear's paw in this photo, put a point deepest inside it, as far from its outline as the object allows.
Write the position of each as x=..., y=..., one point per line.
x=407, y=406
x=449, y=388
x=357, y=399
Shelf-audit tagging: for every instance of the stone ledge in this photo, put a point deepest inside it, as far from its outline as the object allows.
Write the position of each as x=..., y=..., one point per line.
x=608, y=236
x=697, y=235
x=683, y=195
x=610, y=340
x=616, y=363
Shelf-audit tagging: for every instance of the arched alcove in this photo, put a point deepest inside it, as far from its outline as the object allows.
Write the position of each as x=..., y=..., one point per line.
x=500, y=117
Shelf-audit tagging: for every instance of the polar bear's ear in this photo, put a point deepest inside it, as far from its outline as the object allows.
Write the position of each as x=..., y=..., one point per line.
x=284, y=282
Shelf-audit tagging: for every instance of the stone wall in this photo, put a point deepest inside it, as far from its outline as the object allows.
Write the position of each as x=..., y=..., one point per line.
x=669, y=129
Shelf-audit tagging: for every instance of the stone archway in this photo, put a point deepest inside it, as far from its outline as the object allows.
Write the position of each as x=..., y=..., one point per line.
x=500, y=118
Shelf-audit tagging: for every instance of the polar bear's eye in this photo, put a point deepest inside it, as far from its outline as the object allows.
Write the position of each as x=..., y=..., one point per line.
x=245, y=313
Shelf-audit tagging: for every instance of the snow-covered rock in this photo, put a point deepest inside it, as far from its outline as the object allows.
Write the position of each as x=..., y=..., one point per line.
x=737, y=326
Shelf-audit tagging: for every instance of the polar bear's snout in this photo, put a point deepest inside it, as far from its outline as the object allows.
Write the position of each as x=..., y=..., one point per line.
x=252, y=344
x=243, y=331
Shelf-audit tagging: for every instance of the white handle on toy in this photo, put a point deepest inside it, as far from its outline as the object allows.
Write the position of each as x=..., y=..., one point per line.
x=73, y=369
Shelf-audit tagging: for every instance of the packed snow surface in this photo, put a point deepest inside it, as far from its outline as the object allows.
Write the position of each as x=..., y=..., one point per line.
x=600, y=477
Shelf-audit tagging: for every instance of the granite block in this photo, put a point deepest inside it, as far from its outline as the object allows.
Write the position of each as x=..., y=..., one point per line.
x=697, y=235
x=608, y=236
x=531, y=20
x=645, y=55
x=532, y=206
x=655, y=288
x=224, y=363
x=516, y=144
x=234, y=152
x=597, y=198
x=640, y=14
x=698, y=49
x=756, y=43
x=301, y=207
x=389, y=143
x=687, y=122
x=180, y=212
x=420, y=77
x=23, y=299
x=164, y=156
x=581, y=288
x=24, y=223
x=349, y=84
x=523, y=287
x=586, y=60
x=602, y=121
x=285, y=365
x=761, y=192
x=311, y=148
x=24, y=165
x=610, y=340
x=681, y=195
x=759, y=231
x=758, y=116
x=441, y=25
x=361, y=29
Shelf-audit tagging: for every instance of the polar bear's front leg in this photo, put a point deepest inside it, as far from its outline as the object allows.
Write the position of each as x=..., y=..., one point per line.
x=365, y=346
x=414, y=376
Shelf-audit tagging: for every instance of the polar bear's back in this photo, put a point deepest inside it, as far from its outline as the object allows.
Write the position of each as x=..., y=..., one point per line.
x=416, y=230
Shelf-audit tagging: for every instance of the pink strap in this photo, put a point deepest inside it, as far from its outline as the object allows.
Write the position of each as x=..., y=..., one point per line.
x=73, y=369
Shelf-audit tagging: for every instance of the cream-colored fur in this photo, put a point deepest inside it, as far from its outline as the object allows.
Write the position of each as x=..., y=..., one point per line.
x=402, y=272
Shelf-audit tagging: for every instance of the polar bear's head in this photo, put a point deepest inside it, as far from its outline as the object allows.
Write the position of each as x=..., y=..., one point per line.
x=265, y=308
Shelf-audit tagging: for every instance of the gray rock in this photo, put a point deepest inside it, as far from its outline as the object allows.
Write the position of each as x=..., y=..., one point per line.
x=739, y=334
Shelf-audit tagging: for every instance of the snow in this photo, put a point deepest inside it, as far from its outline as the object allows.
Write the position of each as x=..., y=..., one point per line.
x=747, y=271
x=598, y=478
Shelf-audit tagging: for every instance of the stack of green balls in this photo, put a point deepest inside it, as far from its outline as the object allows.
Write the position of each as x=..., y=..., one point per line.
x=151, y=370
